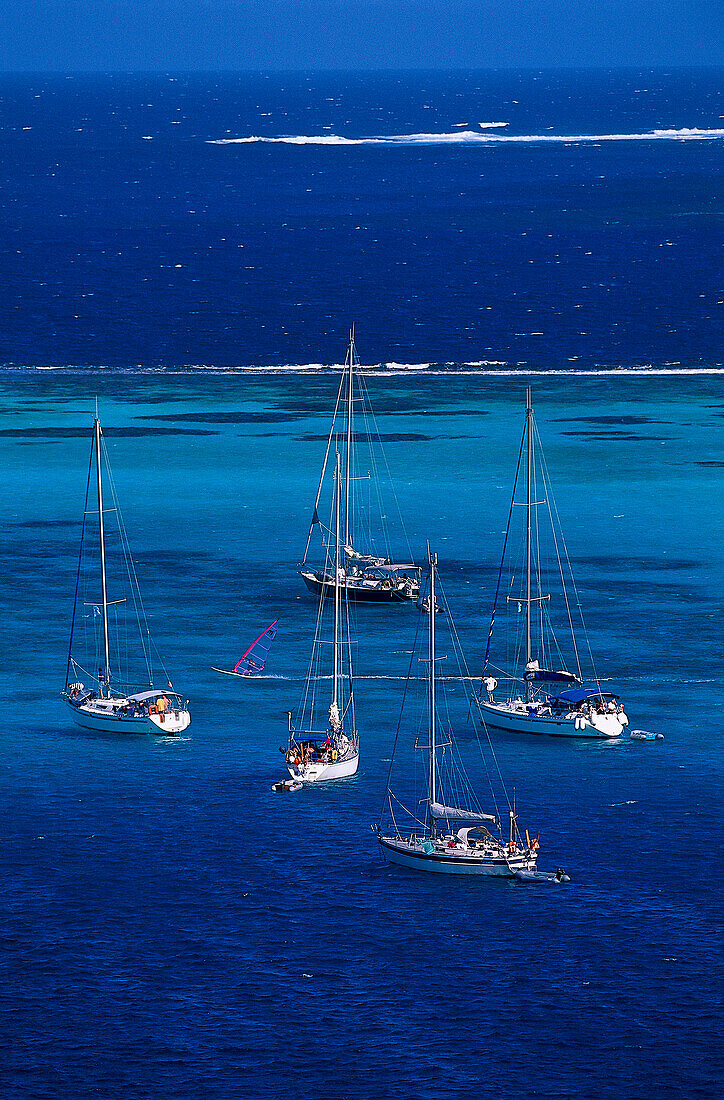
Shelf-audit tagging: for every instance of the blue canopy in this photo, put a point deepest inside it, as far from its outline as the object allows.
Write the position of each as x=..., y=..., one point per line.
x=579, y=695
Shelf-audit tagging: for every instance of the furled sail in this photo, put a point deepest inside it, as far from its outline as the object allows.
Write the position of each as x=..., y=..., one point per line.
x=335, y=721
x=437, y=809
x=254, y=658
x=371, y=559
x=543, y=675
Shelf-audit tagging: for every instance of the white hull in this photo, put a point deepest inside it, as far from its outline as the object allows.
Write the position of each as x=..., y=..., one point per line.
x=321, y=772
x=454, y=861
x=514, y=719
x=91, y=717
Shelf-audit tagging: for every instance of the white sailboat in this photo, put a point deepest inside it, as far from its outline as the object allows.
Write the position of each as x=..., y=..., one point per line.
x=367, y=575
x=102, y=700
x=446, y=831
x=319, y=753
x=544, y=699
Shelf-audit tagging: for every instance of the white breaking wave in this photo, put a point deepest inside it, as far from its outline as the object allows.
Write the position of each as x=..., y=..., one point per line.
x=381, y=369
x=476, y=137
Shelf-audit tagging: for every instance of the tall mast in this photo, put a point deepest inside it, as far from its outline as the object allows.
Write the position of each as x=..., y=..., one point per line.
x=348, y=455
x=104, y=591
x=529, y=434
x=528, y=539
x=335, y=676
x=432, y=559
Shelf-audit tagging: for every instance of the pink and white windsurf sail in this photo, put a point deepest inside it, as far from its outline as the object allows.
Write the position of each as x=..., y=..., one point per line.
x=254, y=659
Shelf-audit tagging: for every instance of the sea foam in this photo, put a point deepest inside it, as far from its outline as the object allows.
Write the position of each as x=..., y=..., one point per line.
x=476, y=137
x=489, y=368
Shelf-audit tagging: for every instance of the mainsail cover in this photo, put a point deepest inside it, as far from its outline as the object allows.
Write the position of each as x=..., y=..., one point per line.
x=542, y=675
x=439, y=810
x=254, y=659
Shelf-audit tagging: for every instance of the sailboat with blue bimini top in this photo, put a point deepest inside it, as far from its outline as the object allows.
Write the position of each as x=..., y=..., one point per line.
x=544, y=696
x=121, y=696
x=439, y=824
x=323, y=740
x=368, y=571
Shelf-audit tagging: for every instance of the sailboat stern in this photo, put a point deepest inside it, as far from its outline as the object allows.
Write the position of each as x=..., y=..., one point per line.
x=147, y=712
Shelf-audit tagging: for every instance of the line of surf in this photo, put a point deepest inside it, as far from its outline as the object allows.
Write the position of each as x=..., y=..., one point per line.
x=478, y=137
x=383, y=369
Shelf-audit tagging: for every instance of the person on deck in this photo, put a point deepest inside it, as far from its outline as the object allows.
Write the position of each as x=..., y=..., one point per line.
x=490, y=685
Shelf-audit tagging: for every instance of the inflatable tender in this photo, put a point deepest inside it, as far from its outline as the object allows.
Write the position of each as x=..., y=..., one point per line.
x=645, y=735
x=558, y=876
x=286, y=786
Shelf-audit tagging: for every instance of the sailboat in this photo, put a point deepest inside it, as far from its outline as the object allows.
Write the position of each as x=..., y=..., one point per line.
x=102, y=700
x=544, y=699
x=320, y=752
x=366, y=575
x=253, y=660
x=446, y=831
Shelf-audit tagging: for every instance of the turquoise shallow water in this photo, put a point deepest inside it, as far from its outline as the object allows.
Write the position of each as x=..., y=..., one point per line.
x=167, y=920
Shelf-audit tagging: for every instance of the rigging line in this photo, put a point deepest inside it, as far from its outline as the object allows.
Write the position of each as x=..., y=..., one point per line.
x=409, y=813
x=365, y=513
x=130, y=565
x=387, y=485
x=554, y=523
x=324, y=466
x=546, y=654
x=390, y=483
x=373, y=479
x=80, y=561
x=148, y=643
x=539, y=573
x=463, y=664
x=309, y=695
x=460, y=655
x=392, y=814
x=350, y=686
x=78, y=666
x=505, y=544
x=402, y=706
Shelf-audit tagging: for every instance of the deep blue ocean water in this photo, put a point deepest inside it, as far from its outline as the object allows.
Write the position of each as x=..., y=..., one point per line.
x=172, y=928
x=128, y=237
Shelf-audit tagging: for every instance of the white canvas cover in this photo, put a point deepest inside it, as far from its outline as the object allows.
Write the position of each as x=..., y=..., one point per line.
x=437, y=809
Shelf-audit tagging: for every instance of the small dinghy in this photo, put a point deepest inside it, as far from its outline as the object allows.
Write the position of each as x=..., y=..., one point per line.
x=558, y=876
x=287, y=786
x=646, y=735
